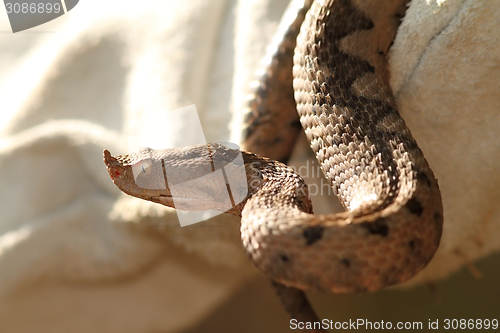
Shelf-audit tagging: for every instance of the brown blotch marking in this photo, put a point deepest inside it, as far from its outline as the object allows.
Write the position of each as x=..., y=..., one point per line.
x=276, y=141
x=284, y=258
x=247, y=132
x=438, y=218
x=346, y=262
x=422, y=177
x=313, y=234
x=412, y=244
x=378, y=227
x=414, y=206
x=296, y=124
x=357, y=20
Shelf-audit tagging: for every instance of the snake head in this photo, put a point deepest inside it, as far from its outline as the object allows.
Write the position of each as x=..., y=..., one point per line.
x=193, y=178
x=138, y=177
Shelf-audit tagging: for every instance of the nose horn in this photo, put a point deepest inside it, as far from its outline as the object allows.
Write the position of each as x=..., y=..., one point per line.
x=108, y=159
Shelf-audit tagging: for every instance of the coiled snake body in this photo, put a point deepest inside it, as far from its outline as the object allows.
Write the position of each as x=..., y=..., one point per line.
x=393, y=223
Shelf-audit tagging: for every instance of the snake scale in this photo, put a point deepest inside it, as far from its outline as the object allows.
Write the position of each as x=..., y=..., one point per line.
x=394, y=215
